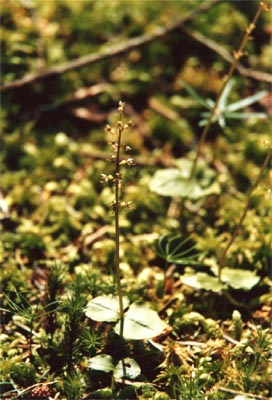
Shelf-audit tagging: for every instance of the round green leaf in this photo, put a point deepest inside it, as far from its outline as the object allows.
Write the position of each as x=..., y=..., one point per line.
x=105, y=308
x=201, y=280
x=140, y=322
x=127, y=368
x=239, y=278
x=175, y=181
x=170, y=182
x=102, y=362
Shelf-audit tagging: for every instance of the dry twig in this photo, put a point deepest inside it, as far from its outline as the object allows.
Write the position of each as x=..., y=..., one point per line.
x=237, y=392
x=113, y=51
x=133, y=43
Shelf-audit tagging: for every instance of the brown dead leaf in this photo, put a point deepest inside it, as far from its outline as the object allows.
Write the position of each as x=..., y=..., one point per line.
x=88, y=114
x=91, y=91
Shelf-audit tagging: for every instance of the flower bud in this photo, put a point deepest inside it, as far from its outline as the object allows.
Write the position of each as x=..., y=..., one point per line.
x=121, y=106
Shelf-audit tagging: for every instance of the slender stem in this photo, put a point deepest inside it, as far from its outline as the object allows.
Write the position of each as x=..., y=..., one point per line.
x=237, y=55
x=117, y=228
x=246, y=208
x=31, y=339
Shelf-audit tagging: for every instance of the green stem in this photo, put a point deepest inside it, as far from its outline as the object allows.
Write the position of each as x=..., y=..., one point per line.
x=117, y=228
x=237, y=55
x=31, y=339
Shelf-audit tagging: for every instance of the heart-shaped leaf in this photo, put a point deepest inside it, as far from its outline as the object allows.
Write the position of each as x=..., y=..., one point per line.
x=127, y=368
x=175, y=182
x=140, y=322
x=170, y=182
x=102, y=362
x=201, y=280
x=105, y=308
x=239, y=278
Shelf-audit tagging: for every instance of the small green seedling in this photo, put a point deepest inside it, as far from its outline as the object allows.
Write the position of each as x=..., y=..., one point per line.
x=224, y=110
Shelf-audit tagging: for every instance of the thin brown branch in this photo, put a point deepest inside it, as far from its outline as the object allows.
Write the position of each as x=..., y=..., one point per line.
x=211, y=44
x=160, y=108
x=237, y=392
x=110, y=52
x=89, y=239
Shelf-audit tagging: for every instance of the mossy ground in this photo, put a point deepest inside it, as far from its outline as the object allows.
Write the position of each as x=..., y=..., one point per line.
x=57, y=225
